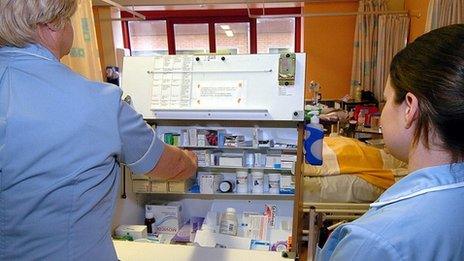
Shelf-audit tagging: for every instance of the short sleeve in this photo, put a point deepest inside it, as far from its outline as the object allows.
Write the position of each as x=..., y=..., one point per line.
x=140, y=147
x=356, y=243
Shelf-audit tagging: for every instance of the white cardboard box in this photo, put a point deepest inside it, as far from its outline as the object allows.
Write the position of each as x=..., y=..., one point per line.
x=207, y=238
x=135, y=231
x=209, y=184
x=168, y=218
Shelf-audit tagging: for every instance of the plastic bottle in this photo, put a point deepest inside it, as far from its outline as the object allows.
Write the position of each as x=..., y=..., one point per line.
x=229, y=223
x=274, y=183
x=258, y=182
x=149, y=221
x=242, y=182
x=358, y=92
x=362, y=118
x=314, y=134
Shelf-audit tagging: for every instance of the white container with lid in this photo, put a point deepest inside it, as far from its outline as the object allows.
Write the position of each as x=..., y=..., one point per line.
x=226, y=186
x=228, y=224
x=258, y=182
x=242, y=181
x=274, y=183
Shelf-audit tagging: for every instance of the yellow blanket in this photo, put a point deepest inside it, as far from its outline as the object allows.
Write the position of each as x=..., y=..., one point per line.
x=343, y=155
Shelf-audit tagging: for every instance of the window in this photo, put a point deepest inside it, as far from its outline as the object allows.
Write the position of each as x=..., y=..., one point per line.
x=275, y=35
x=279, y=50
x=148, y=38
x=191, y=38
x=232, y=38
x=224, y=31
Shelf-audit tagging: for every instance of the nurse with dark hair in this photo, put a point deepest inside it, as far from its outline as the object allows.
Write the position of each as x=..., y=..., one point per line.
x=422, y=216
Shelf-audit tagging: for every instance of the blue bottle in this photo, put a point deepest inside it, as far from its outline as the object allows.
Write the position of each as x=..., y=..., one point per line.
x=314, y=134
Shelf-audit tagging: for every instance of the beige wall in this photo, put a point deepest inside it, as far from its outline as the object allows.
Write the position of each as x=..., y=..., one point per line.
x=328, y=45
x=109, y=34
x=395, y=5
x=84, y=55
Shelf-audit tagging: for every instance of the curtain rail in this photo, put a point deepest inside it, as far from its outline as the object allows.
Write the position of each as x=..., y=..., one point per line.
x=123, y=8
x=411, y=14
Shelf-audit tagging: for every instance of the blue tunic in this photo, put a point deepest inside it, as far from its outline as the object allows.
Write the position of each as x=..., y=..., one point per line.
x=419, y=218
x=62, y=138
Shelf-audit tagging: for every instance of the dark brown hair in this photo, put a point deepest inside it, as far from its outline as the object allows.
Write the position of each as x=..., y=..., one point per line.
x=432, y=68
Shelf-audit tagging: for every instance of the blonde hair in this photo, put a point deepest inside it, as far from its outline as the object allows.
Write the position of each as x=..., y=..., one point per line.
x=19, y=19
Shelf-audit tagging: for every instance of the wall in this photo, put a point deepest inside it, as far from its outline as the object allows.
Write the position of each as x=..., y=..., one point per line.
x=328, y=44
x=84, y=55
x=395, y=5
x=417, y=24
x=109, y=34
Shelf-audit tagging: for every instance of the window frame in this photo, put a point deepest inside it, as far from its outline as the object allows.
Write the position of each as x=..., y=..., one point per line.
x=211, y=17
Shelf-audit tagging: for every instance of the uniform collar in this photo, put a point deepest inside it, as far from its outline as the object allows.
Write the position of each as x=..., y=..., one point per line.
x=32, y=49
x=422, y=181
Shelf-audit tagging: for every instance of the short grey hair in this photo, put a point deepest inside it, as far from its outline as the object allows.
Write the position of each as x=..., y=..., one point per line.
x=19, y=18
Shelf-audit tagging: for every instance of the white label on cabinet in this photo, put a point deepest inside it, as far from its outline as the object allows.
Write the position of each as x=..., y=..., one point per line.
x=219, y=94
x=172, y=82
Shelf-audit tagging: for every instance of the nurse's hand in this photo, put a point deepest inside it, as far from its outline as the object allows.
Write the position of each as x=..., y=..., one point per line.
x=188, y=166
x=175, y=164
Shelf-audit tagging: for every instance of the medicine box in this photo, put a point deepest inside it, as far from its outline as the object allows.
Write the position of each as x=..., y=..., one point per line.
x=287, y=184
x=140, y=186
x=207, y=238
x=231, y=159
x=168, y=218
x=192, y=133
x=135, y=231
x=209, y=183
x=180, y=186
x=273, y=161
x=159, y=186
x=187, y=233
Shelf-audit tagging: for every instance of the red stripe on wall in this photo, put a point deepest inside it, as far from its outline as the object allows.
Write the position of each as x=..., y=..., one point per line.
x=125, y=35
x=297, y=34
x=253, y=37
x=212, y=38
x=171, y=37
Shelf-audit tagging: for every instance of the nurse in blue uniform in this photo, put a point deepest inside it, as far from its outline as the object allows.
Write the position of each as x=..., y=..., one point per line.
x=62, y=140
x=422, y=216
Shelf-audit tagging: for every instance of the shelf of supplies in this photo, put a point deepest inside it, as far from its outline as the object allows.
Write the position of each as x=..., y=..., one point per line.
x=224, y=195
x=239, y=148
x=243, y=168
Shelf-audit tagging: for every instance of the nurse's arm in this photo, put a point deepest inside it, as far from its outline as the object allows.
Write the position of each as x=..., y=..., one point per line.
x=174, y=164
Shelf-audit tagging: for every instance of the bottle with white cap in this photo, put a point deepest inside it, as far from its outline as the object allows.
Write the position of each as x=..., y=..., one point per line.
x=314, y=134
x=229, y=223
x=149, y=221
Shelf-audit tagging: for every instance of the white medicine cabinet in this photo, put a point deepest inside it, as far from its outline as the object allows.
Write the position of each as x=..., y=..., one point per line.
x=242, y=115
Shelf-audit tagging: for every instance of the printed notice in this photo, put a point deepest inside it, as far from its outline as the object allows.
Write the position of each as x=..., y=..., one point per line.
x=287, y=90
x=172, y=82
x=219, y=94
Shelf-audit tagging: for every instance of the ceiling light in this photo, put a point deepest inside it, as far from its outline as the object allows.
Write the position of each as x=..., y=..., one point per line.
x=229, y=33
x=225, y=27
